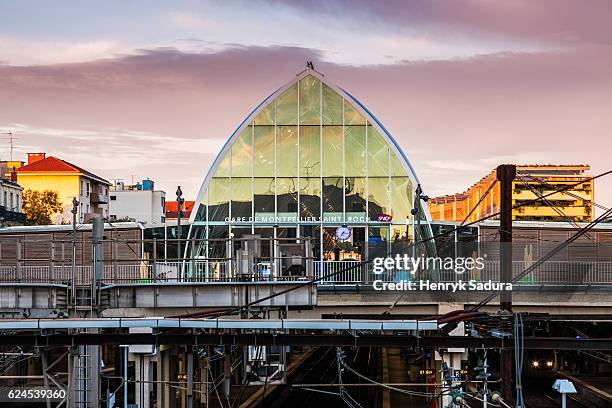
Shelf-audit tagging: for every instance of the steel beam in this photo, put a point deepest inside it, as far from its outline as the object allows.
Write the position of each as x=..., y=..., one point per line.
x=536, y=343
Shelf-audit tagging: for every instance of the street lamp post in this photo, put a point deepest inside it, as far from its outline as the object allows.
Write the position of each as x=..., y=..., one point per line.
x=75, y=206
x=179, y=202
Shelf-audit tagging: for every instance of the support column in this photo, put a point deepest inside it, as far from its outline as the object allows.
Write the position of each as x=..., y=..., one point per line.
x=227, y=373
x=506, y=173
x=143, y=371
x=189, y=377
x=166, y=395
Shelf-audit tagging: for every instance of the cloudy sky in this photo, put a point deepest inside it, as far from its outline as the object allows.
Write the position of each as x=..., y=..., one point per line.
x=153, y=89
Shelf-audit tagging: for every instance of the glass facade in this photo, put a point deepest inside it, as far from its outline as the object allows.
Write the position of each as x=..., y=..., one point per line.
x=308, y=161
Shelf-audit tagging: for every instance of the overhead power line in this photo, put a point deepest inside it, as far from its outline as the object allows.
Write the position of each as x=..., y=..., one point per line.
x=422, y=241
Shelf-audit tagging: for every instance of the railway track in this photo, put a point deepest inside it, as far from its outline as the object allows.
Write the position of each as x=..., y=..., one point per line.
x=322, y=367
x=538, y=393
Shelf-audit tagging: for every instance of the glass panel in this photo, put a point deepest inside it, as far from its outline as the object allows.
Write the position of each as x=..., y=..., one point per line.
x=242, y=195
x=218, y=199
x=310, y=101
x=332, y=107
x=332, y=151
x=310, y=198
x=287, y=107
x=377, y=242
x=401, y=199
x=397, y=170
x=263, y=151
x=287, y=151
x=331, y=245
x=286, y=232
x=264, y=245
x=201, y=214
x=242, y=154
x=264, y=199
x=378, y=197
x=223, y=169
x=355, y=145
x=351, y=116
x=351, y=249
x=310, y=162
x=355, y=199
x=401, y=239
x=266, y=116
x=378, y=154
x=312, y=231
x=333, y=197
x=287, y=199
x=217, y=250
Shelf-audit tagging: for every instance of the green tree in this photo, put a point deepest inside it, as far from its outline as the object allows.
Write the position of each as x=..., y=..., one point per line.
x=40, y=206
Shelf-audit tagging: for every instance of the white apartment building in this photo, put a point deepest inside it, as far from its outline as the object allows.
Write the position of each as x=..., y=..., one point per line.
x=139, y=202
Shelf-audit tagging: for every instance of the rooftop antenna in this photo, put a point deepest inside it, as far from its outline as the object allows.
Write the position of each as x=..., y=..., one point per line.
x=11, y=140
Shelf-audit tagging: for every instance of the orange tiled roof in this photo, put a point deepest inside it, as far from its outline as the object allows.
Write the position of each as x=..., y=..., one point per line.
x=54, y=165
x=172, y=206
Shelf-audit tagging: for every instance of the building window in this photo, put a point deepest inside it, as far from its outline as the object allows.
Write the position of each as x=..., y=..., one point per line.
x=11, y=207
x=113, y=198
x=4, y=202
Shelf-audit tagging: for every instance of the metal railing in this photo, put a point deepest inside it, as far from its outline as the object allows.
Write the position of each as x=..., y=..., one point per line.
x=159, y=272
x=144, y=261
x=548, y=273
x=328, y=273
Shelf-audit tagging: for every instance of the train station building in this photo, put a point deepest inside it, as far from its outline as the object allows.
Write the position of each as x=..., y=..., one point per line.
x=312, y=161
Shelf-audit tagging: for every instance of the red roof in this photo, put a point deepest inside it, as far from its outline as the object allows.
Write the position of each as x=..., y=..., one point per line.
x=172, y=206
x=171, y=209
x=54, y=165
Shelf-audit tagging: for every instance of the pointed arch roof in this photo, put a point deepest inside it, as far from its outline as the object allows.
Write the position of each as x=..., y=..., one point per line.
x=355, y=103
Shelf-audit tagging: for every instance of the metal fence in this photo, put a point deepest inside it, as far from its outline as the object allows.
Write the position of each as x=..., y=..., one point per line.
x=548, y=273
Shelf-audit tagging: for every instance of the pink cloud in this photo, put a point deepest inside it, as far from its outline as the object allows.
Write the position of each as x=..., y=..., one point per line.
x=526, y=107
x=560, y=22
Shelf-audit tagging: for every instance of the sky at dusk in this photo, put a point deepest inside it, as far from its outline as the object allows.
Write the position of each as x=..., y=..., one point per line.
x=153, y=89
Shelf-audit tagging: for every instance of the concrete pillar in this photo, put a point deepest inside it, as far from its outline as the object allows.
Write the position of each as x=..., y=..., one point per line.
x=166, y=395
x=189, y=377
x=95, y=357
x=143, y=376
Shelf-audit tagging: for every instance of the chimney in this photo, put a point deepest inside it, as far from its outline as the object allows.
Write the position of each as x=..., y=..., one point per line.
x=14, y=175
x=34, y=157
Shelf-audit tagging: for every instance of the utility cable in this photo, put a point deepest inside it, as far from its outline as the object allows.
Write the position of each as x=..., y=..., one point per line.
x=366, y=262
x=554, y=187
x=548, y=256
x=400, y=390
x=555, y=208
